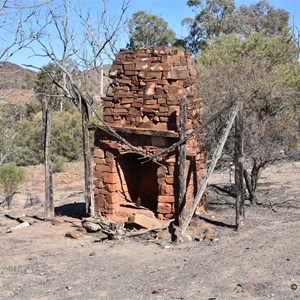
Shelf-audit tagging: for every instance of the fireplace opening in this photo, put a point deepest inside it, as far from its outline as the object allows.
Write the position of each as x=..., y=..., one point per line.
x=138, y=181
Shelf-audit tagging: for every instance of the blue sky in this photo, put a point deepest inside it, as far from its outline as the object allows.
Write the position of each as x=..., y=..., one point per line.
x=172, y=11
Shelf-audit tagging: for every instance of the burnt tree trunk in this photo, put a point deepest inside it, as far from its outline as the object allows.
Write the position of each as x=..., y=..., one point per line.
x=252, y=178
x=182, y=163
x=49, y=203
x=239, y=167
x=252, y=193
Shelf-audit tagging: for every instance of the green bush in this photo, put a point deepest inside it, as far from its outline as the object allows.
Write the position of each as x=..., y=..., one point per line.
x=66, y=138
x=59, y=164
x=11, y=177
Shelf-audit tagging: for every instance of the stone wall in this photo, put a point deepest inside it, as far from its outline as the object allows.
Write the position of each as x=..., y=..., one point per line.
x=147, y=87
x=144, y=97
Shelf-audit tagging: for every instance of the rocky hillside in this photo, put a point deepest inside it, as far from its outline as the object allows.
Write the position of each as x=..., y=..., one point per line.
x=13, y=76
x=16, y=83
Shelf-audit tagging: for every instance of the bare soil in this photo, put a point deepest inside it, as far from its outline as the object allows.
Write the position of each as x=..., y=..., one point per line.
x=260, y=261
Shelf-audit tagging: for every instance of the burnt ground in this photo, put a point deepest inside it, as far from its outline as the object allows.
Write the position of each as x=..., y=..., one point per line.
x=260, y=261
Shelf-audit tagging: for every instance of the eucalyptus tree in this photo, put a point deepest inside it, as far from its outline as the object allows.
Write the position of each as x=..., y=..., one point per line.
x=148, y=30
x=263, y=72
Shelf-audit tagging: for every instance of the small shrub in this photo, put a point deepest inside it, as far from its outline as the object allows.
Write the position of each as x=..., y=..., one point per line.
x=59, y=164
x=31, y=200
x=11, y=177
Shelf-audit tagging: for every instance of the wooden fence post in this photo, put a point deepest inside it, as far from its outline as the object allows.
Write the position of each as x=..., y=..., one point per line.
x=182, y=163
x=239, y=167
x=49, y=203
x=87, y=156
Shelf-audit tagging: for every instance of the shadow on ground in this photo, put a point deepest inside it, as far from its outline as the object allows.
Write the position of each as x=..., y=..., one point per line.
x=75, y=210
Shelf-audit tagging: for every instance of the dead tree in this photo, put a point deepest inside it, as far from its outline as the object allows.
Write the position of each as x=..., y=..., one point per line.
x=16, y=34
x=16, y=31
x=83, y=47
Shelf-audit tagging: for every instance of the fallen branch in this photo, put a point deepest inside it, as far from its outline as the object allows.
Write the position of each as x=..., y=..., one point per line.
x=113, y=233
x=156, y=229
x=18, y=219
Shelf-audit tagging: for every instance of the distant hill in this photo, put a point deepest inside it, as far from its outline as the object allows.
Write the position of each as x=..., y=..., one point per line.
x=13, y=76
x=16, y=83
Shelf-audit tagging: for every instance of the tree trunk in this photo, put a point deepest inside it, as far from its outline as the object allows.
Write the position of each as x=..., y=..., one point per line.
x=89, y=203
x=252, y=193
x=239, y=167
x=182, y=164
x=49, y=203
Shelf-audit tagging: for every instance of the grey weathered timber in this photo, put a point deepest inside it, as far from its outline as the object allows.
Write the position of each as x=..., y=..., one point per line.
x=49, y=203
x=182, y=163
x=131, y=131
x=87, y=157
x=216, y=155
x=239, y=167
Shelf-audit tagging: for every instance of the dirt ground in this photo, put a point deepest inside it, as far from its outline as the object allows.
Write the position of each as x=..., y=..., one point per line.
x=260, y=261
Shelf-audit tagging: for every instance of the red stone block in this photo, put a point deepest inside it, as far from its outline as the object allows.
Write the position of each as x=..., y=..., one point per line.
x=103, y=191
x=112, y=187
x=120, y=111
x=142, y=65
x=131, y=73
x=124, y=81
x=108, y=103
x=96, y=191
x=154, y=75
x=160, y=217
x=99, y=161
x=107, y=168
x=129, y=66
x=112, y=198
x=113, y=206
x=169, y=216
x=164, y=208
x=161, y=100
x=166, y=189
x=110, y=177
x=99, y=199
x=170, y=180
x=108, y=119
x=161, y=171
x=97, y=174
x=98, y=168
x=163, y=109
x=99, y=153
x=166, y=199
x=109, y=155
x=126, y=101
